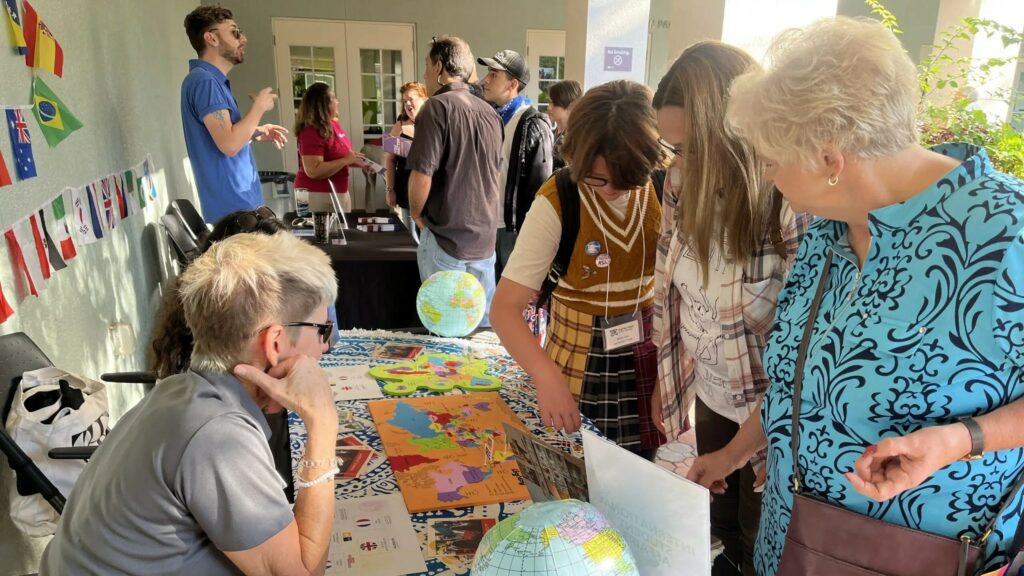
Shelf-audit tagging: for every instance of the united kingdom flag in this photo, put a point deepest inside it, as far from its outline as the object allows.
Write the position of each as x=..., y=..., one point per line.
x=107, y=200
x=21, y=144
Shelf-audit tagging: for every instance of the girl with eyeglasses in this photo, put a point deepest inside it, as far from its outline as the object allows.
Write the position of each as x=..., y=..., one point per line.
x=599, y=360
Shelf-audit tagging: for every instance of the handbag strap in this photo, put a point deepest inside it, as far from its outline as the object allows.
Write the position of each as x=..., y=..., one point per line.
x=798, y=378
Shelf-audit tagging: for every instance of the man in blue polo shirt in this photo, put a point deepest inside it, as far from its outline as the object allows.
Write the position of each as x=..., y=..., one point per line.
x=217, y=136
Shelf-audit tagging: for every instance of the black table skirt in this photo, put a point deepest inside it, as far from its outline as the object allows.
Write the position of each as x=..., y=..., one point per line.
x=377, y=277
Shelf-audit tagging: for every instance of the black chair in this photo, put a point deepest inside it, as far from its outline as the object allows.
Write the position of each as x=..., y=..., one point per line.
x=187, y=213
x=19, y=354
x=184, y=246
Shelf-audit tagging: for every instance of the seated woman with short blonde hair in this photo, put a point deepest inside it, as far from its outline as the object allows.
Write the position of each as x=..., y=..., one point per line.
x=185, y=483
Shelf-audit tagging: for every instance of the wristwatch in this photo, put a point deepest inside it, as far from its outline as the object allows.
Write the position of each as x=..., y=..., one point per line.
x=977, y=439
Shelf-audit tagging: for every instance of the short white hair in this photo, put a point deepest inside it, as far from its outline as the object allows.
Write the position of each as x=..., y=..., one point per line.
x=841, y=81
x=245, y=283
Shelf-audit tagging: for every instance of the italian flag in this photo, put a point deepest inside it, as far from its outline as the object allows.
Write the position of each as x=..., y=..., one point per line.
x=62, y=228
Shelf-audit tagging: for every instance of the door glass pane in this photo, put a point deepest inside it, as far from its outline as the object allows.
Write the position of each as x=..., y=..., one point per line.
x=390, y=112
x=371, y=87
x=371, y=112
x=551, y=69
x=380, y=73
x=548, y=69
x=391, y=62
x=390, y=89
x=310, y=64
x=369, y=61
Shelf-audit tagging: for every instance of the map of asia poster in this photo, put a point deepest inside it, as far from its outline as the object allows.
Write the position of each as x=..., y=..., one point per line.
x=450, y=451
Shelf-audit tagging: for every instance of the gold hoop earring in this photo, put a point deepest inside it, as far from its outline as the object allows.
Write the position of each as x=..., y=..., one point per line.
x=833, y=180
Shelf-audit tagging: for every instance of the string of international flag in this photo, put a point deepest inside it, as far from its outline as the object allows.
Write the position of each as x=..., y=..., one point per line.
x=56, y=122
x=46, y=240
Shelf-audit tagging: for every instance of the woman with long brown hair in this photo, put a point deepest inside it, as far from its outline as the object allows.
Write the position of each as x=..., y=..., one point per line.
x=727, y=239
x=325, y=152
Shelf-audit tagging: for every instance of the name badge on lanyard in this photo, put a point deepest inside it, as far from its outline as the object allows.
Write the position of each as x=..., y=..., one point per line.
x=622, y=331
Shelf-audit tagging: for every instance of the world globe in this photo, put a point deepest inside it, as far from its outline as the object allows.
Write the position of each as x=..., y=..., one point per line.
x=451, y=303
x=567, y=538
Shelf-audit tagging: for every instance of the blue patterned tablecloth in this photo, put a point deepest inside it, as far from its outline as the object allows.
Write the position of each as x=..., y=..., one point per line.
x=356, y=347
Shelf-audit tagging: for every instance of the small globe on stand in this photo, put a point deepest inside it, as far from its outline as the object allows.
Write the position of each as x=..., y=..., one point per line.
x=564, y=538
x=451, y=303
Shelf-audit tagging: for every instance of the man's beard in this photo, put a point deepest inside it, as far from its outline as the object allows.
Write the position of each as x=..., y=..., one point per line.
x=235, y=56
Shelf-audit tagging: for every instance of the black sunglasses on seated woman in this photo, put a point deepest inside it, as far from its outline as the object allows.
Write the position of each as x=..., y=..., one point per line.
x=325, y=330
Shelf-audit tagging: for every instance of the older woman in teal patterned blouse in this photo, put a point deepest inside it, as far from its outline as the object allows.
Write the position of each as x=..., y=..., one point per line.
x=921, y=324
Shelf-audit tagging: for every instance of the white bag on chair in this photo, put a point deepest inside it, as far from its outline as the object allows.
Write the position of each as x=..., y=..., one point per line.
x=43, y=416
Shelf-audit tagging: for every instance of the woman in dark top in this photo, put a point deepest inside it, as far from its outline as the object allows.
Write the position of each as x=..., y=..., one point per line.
x=414, y=95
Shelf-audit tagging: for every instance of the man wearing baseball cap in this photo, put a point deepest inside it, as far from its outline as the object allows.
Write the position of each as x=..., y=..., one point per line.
x=526, y=149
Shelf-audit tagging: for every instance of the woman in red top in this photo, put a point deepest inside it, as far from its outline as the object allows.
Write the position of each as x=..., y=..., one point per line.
x=325, y=152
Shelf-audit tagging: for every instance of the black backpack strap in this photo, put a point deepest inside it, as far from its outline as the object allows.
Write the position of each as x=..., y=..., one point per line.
x=658, y=179
x=569, y=204
x=775, y=224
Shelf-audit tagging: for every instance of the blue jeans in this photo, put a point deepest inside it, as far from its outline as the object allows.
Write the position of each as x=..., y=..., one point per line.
x=431, y=258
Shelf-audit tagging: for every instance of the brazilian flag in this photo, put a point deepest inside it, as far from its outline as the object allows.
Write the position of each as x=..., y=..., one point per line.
x=55, y=120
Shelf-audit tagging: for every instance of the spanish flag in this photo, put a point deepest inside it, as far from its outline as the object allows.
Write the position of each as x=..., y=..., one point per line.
x=43, y=49
x=56, y=122
x=17, y=38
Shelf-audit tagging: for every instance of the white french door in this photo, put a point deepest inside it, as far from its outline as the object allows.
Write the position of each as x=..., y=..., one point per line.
x=545, y=53
x=365, y=62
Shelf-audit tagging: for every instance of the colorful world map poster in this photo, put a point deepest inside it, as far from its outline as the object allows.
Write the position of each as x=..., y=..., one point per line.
x=450, y=451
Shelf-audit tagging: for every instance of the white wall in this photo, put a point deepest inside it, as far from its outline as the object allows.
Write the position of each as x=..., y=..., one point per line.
x=620, y=26
x=123, y=65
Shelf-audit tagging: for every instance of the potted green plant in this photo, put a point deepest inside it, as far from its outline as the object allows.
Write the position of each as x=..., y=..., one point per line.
x=959, y=119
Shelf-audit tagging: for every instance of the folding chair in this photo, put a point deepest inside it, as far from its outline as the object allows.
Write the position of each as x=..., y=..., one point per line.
x=187, y=213
x=184, y=246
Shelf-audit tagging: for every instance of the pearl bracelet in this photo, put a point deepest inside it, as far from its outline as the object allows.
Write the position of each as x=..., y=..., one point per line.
x=300, y=484
x=322, y=463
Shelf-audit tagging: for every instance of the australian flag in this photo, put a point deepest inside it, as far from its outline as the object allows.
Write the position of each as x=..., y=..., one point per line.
x=21, y=144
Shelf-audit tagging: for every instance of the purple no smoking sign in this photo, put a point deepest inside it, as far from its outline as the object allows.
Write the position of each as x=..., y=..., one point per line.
x=618, y=59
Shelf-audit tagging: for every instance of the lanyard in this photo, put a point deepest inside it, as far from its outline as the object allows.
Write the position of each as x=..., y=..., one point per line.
x=608, y=270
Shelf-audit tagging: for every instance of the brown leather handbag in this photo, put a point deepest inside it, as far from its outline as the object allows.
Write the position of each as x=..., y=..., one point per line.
x=828, y=539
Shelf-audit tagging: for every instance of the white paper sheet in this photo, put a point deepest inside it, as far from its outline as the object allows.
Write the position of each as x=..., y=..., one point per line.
x=373, y=536
x=665, y=519
x=353, y=383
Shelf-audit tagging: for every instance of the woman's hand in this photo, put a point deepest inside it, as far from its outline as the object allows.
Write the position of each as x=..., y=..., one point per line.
x=356, y=160
x=903, y=462
x=558, y=408
x=298, y=383
x=711, y=470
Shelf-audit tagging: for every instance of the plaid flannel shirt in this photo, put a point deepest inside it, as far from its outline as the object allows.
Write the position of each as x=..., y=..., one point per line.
x=748, y=298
